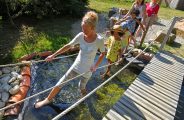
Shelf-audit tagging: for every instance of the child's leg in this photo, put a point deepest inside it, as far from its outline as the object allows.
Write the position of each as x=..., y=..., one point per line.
x=133, y=38
x=107, y=72
x=138, y=31
x=70, y=74
x=82, y=85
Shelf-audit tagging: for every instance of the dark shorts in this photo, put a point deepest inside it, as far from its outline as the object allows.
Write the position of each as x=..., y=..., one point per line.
x=136, y=26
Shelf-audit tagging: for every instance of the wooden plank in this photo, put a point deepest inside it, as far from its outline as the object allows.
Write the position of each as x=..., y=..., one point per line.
x=171, y=56
x=169, y=81
x=161, y=71
x=176, y=81
x=175, y=70
x=160, y=89
x=104, y=118
x=129, y=112
x=112, y=115
x=141, y=111
x=124, y=111
x=170, y=68
x=168, y=61
x=161, y=64
x=153, y=100
x=165, y=69
x=123, y=114
x=157, y=94
x=147, y=105
x=161, y=83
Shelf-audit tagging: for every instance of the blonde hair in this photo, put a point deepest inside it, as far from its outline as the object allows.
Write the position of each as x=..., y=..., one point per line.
x=90, y=18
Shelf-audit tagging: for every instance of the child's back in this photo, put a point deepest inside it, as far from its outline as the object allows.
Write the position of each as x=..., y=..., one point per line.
x=113, y=46
x=129, y=24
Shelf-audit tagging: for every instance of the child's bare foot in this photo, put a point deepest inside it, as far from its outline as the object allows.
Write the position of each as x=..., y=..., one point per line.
x=103, y=76
x=39, y=104
x=120, y=61
x=83, y=92
x=108, y=74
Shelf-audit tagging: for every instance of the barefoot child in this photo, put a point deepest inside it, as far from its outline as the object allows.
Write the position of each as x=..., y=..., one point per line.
x=130, y=23
x=89, y=42
x=114, y=44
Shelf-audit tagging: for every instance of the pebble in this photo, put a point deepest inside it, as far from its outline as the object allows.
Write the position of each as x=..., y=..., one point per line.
x=5, y=96
x=12, y=80
x=5, y=79
x=14, y=90
x=6, y=87
x=6, y=70
x=2, y=104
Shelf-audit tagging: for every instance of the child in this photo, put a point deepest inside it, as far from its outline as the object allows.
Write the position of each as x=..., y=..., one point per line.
x=151, y=11
x=130, y=23
x=89, y=42
x=125, y=43
x=117, y=16
x=114, y=44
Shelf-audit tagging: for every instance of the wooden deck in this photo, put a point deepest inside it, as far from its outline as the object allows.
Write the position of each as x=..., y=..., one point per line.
x=155, y=93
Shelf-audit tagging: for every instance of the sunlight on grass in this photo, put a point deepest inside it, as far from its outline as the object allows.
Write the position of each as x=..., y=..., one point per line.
x=168, y=13
x=104, y=6
x=32, y=41
x=178, y=51
x=107, y=97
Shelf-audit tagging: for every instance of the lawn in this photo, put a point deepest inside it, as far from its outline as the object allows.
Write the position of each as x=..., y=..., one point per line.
x=105, y=6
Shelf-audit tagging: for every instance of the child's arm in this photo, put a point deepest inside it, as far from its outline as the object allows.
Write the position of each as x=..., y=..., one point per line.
x=120, y=52
x=130, y=10
x=100, y=58
x=129, y=39
x=120, y=21
x=140, y=24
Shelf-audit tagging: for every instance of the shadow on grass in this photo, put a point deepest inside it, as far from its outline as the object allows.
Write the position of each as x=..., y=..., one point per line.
x=45, y=34
x=8, y=39
x=175, y=45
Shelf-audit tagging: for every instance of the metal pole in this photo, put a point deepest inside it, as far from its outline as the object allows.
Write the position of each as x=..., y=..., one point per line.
x=168, y=33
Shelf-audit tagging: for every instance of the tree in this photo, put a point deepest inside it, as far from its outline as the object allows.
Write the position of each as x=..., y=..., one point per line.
x=40, y=8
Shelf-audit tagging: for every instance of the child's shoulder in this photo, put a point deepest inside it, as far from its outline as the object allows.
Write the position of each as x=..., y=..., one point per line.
x=99, y=38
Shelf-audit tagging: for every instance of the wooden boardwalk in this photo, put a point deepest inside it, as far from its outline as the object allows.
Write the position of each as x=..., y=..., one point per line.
x=154, y=94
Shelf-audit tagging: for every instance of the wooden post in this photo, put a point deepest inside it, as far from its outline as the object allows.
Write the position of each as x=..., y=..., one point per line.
x=144, y=33
x=168, y=33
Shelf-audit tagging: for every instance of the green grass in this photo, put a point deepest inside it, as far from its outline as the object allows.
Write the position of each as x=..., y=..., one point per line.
x=104, y=6
x=175, y=48
x=50, y=34
x=168, y=13
x=106, y=96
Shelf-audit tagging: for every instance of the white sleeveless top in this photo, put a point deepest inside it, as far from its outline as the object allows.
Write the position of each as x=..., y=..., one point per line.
x=140, y=8
x=87, y=53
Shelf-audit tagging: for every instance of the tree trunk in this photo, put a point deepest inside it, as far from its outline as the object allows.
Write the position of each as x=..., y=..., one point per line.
x=8, y=12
